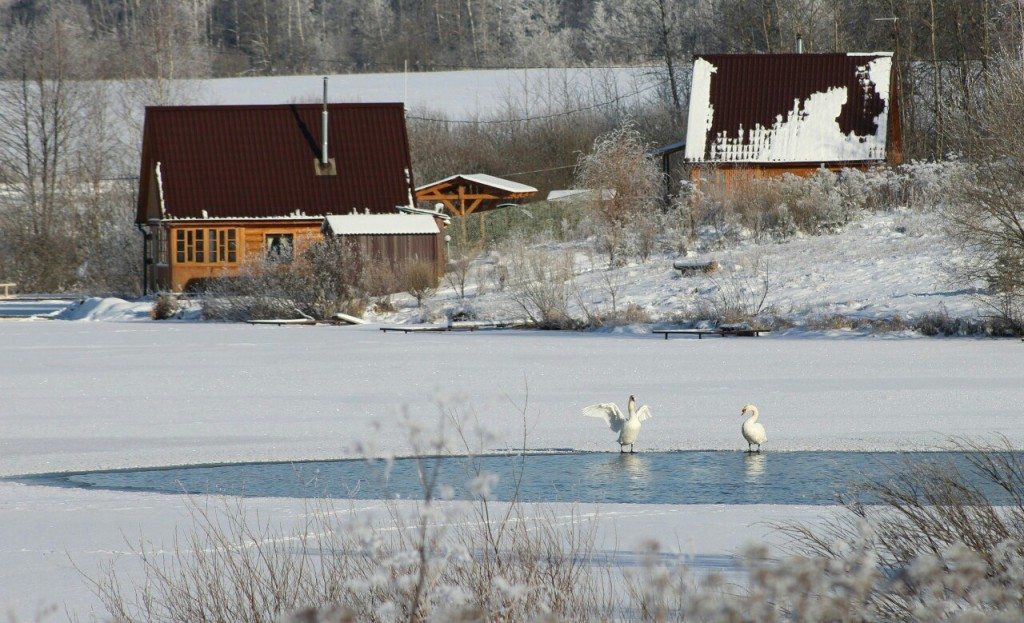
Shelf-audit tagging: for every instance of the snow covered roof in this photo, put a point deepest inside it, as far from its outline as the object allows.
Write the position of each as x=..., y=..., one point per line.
x=791, y=108
x=365, y=224
x=484, y=179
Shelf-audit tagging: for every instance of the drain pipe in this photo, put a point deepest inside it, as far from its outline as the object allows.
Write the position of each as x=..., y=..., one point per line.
x=146, y=236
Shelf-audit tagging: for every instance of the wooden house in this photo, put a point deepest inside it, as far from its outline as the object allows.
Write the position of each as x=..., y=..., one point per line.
x=222, y=185
x=754, y=115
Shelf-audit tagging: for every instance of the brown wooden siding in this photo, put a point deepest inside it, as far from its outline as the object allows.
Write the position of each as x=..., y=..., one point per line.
x=251, y=245
x=400, y=248
x=395, y=249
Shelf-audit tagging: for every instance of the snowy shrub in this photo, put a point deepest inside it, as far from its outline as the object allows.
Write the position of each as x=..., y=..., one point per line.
x=381, y=281
x=738, y=293
x=325, y=279
x=626, y=188
x=164, y=307
x=419, y=279
x=541, y=284
x=459, y=269
x=629, y=315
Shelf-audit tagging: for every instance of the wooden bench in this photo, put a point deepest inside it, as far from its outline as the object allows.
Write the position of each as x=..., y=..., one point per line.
x=721, y=332
x=7, y=290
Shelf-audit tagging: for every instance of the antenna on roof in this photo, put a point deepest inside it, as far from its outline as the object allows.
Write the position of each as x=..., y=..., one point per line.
x=799, y=45
x=323, y=128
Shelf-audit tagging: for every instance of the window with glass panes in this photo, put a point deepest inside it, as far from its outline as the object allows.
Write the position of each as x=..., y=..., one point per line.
x=206, y=245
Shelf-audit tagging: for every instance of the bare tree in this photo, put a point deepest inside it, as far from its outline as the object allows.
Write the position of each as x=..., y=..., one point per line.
x=40, y=112
x=987, y=214
x=625, y=187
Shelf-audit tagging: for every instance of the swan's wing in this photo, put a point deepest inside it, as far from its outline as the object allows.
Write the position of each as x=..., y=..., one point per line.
x=643, y=413
x=609, y=412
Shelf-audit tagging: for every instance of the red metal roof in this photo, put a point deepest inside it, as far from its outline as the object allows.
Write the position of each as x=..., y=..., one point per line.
x=758, y=98
x=258, y=161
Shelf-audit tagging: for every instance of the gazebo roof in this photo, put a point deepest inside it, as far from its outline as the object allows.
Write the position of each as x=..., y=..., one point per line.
x=466, y=193
x=482, y=179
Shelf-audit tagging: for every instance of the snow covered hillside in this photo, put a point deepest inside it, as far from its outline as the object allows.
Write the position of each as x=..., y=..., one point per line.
x=882, y=266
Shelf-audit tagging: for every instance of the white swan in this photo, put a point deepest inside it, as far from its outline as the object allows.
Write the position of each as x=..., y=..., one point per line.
x=628, y=427
x=753, y=431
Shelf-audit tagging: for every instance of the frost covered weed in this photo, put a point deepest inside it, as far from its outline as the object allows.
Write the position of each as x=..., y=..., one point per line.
x=541, y=284
x=952, y=584
x=778, y=208
x=944, y=549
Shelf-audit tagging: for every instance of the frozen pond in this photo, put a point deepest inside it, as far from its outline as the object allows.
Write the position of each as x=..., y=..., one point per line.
x=804, y=478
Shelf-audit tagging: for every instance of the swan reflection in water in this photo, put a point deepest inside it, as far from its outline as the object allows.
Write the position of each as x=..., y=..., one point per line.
x=754, y=465
x=635, y=467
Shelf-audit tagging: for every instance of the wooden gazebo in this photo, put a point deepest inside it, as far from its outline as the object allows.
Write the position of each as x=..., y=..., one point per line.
x=469, y=193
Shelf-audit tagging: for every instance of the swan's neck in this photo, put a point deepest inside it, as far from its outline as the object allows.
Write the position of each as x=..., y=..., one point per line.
x=631, y=408
x=753, y=415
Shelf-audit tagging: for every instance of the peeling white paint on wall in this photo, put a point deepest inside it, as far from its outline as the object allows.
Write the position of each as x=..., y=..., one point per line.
x=808, y=132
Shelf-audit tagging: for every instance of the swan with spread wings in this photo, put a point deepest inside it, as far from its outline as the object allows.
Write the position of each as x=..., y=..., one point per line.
x=627, y=426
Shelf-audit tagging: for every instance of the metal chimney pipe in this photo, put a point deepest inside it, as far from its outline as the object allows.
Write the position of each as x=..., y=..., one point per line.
x=323, y=128
x=799, y=45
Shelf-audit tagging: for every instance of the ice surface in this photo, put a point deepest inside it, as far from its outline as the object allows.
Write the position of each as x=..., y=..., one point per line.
x=105, y=395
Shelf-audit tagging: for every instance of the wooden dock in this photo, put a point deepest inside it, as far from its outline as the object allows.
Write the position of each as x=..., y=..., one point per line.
x=723, y=331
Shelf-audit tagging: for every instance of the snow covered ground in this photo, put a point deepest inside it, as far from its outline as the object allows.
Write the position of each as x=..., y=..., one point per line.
x=91, y=395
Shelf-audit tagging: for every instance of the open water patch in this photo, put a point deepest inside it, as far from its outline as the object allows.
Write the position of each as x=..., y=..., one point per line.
x=688, y=477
